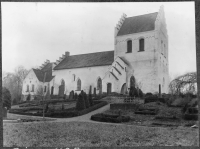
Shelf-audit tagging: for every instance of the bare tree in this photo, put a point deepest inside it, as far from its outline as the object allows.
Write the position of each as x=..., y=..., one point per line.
x=14, y=81
x=138, y=85
x=184, y=83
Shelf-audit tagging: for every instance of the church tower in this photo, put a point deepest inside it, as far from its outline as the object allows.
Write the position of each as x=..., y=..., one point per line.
x=142, y=42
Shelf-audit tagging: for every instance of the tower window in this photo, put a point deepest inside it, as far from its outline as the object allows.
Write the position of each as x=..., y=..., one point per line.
x=141, y=44
x=129, y=46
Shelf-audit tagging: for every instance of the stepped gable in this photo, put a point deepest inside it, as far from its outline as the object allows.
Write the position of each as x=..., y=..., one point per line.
x=40, y=73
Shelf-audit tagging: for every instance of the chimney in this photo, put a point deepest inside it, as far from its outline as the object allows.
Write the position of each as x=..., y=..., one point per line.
x=67, y=53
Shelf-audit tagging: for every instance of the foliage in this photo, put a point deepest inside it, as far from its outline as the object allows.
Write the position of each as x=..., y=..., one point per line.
x=28, y=98
x=90, y=98
x=71, y=95
x=14, y=82
x=80, y=104
x=133, y=92
x=184, y=83
x=94, y=94
x=6, y=98
x=75, y=96
x=87, y=104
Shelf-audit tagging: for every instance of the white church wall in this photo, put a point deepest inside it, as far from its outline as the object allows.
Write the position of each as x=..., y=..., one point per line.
x=87, y=75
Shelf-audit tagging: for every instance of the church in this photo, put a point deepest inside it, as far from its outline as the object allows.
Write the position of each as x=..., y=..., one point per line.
x=140, y=59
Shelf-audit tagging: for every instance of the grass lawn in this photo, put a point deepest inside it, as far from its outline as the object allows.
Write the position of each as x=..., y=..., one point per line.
x=85, y=134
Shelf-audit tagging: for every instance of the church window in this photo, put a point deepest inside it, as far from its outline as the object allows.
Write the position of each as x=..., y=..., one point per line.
x=125, y=69
x=99, y=84
x=141, y=44
x=32, y=87
x=129, y=46
x=79, y=85
x=74, y=77
x=27, y=88
x=45, y=88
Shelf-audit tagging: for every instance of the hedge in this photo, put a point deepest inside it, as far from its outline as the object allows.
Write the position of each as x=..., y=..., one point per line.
x=124, y=106
x=71, y=112
x=110, y=118
x=96, y=106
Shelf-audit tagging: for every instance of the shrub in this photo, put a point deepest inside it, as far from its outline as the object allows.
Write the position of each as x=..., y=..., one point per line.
x=133, y=92
x=75, y=96
x=6, y=98
x=110, y=118
x=181, y=102
x=90, y=99
x=87, y=104
x=94, y=107
x=80, y=104
x=28, y=98
x=46, y=108
x=63, y=107
x=94, y=94
x=71, y=95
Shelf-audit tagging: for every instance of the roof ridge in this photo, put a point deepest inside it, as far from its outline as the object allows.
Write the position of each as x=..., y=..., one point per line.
x=91, y=53
x=141, y=15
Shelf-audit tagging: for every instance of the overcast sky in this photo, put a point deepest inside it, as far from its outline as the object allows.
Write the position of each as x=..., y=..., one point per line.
x=34, y=32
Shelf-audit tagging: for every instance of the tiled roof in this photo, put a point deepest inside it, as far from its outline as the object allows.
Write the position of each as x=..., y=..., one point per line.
x=138, y=24
x=86, y=60
x=40, y=73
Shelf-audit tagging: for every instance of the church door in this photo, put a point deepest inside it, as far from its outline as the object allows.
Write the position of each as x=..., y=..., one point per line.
x=109, y=88
x=123, y=89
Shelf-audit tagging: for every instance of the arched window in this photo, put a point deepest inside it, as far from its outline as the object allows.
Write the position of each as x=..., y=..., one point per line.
x=141, y=44
x=79, y=85
x=129, y=46
x=73, y=77
x=27, y=89
x=32, y=87
x=99, y=84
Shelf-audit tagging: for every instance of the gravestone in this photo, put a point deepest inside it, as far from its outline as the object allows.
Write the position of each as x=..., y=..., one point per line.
x=71, y=95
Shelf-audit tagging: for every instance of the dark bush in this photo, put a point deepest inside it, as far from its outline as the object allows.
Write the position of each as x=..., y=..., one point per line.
x=94, y=94
x=148, y=94
x=75, y=96
x=90, y=99
x=110, y=118
x=6, y=96
x=87, y=104
x=46, y=108
x=94, y=107
x=71, y=95
x=28, y=98
x=133, y=92
x=80, y=104
x=151, y=98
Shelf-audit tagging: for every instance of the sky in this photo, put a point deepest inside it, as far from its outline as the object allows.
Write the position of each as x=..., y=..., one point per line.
x=33, y=32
